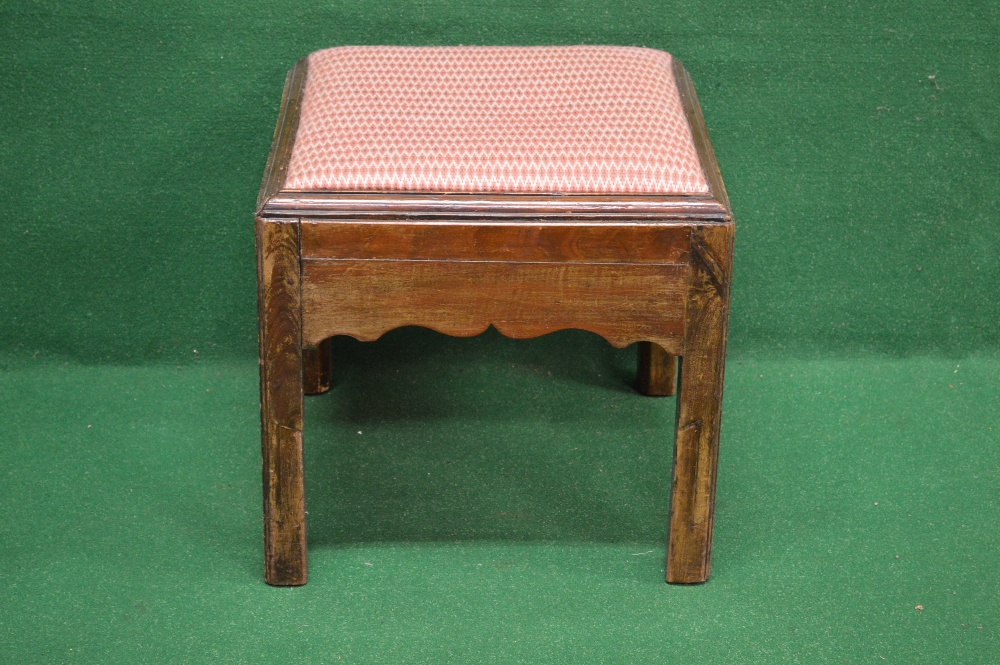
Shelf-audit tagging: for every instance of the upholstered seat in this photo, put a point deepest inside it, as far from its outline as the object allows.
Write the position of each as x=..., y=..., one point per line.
x=578, y=119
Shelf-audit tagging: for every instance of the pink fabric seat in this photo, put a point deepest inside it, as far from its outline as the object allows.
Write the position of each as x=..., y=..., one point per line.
x=572, y=119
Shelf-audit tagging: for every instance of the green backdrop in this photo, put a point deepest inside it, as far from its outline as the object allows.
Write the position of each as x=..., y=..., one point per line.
x=509, y=500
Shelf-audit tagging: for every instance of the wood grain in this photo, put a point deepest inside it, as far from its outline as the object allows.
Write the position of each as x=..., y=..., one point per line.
x=280, y=329
x=696, y=447
x=367, y=298
x=656, y=375
x=626, y=243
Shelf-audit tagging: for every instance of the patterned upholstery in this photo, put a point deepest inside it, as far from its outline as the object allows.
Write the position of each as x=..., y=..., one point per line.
x=572, y=119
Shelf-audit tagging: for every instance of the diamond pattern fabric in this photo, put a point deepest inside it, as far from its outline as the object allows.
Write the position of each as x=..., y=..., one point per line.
x=559, y=119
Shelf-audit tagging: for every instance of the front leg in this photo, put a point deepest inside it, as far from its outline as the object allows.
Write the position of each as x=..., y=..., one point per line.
x=281, y=387
x=699, y=411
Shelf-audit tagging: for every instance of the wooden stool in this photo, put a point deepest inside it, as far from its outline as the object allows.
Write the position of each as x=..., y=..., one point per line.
x=529, y=188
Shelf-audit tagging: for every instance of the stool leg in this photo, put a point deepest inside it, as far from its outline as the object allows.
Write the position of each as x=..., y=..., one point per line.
x=657, y=374
x=696, y=447
x=316, y=368
x=280, y=323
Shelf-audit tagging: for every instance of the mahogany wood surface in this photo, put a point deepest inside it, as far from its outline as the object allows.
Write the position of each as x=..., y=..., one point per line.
x=699, y=404
x=280, y=327
x=367, y=298
x=492, y=241
x=648, y=269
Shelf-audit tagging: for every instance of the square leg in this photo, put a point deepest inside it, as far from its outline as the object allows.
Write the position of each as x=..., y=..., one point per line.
x=699, y=408
x=281, y=388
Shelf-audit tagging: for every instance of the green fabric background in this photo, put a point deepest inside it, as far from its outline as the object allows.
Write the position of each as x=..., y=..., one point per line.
x=487, y=500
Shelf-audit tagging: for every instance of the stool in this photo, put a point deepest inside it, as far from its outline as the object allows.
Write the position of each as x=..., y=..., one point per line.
x=528, y=188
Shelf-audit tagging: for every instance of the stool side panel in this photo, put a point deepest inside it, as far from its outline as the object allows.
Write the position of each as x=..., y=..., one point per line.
x=622, y=303
x=518, y=242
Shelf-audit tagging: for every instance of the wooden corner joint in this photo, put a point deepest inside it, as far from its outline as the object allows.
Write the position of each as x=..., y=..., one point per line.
x=711, y=257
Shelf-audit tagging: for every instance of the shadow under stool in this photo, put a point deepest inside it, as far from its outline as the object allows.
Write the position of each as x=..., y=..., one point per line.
x=529, y=188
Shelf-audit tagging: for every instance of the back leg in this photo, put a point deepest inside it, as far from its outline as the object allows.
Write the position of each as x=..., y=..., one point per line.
x=657, y=375
x=316, y=368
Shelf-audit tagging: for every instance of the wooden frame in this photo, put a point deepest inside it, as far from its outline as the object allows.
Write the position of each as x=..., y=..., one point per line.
x=648, y=269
